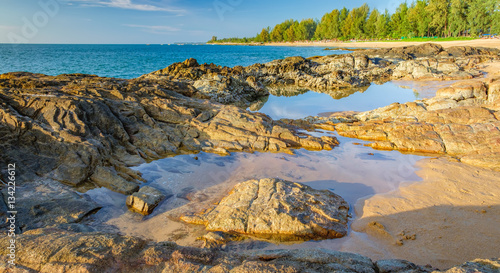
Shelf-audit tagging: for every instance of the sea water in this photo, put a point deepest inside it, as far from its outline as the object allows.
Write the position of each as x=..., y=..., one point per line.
x=131, y=61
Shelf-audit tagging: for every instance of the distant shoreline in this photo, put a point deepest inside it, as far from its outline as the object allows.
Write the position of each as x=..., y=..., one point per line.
x=492, y=43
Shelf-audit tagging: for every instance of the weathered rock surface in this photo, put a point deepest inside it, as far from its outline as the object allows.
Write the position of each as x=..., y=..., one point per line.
x=53, y=250
x=146, y=199
x=477, y=265
x=396, y=265
x=47, y=203
x=80, y=129
x=217, y=239
x=277, y=209
x=242, y=85
x=462, y=121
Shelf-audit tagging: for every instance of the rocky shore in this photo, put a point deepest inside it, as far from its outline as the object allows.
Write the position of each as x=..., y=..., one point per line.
x=242, y=85
x=68, y=134
x=52, y=250
x=463, y=121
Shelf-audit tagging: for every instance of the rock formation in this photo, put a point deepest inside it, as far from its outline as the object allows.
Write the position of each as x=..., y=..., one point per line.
x=463, y=120
x=242, y=85
x=277, y=209
x=53, y=250
x=80, y=129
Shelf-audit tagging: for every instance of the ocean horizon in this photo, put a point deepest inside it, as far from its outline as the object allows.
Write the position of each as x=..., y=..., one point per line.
x=133, y=60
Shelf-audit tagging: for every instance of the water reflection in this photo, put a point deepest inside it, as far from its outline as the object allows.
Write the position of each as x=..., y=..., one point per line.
x=295, y=103
x=350, y=170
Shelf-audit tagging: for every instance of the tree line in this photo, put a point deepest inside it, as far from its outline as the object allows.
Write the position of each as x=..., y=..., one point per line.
x=422, y=18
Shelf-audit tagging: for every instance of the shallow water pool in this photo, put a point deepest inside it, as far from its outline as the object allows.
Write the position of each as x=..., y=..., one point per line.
x=312, y=103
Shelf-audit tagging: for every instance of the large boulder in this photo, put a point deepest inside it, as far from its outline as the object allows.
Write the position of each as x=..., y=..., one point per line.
x=279, y=210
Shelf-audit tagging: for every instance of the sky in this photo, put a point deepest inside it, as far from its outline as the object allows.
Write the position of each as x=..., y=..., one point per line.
x=154, y=21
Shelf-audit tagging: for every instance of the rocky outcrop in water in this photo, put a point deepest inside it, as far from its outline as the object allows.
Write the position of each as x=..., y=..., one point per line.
x=146, y=200
x=463, y=120
x=82, y=130
x=277, y=209
x=53, y=250
x=47, y=203
x=242, y=85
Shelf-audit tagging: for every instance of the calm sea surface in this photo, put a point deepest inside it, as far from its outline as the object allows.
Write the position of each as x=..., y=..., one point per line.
x=130, y=61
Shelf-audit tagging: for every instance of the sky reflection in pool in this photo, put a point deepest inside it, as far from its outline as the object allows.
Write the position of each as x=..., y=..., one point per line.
x=312, y=103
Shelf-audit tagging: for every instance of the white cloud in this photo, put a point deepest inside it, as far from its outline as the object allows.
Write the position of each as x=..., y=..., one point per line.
x=127, y=4
x=155, y=29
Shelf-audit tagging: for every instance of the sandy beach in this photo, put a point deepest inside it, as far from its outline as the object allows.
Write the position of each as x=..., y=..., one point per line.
x=443, y=220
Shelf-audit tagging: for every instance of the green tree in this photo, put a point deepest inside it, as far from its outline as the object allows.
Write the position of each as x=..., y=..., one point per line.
x=360, y=21
x=344, y=12
x=290, y=34
x=329, y=26
x=371, y=24
x=348, y=24
x=278, y=32
x=354, y=23
x=264, y=35
x=438, y=10
x=457, y=18
x=399, y=24
x=305, y=29
x=477, y=17
x=320, y=33
x=382, y=25
x=423, y=18
x=334, y=28
x=493, y=7
x=495, y=28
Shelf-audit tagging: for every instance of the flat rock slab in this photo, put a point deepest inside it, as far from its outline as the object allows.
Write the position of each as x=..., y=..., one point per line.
x=145, y=200
x=278, y=210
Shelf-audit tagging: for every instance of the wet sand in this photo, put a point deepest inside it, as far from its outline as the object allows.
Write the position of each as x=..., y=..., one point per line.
x=454, y=214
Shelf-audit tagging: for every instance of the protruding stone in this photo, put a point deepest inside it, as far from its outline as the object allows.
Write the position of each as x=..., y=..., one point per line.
x=145, y=200
x=107, y=177
x=395, y=265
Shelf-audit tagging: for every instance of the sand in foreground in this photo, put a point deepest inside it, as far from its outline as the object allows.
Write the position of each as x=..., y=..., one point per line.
x=450, y=217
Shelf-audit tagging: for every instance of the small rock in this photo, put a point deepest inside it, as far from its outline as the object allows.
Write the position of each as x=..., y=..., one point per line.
x=216, y=239
x=185, y=192
x=145, y=200
x=394, y=265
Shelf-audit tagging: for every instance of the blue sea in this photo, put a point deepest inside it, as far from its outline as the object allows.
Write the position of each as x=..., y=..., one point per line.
x=131, y=61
